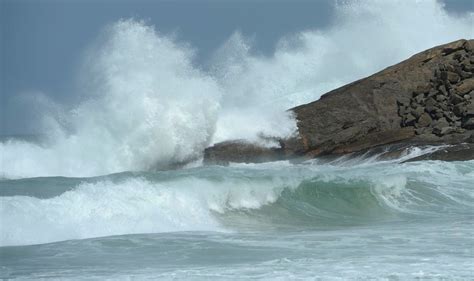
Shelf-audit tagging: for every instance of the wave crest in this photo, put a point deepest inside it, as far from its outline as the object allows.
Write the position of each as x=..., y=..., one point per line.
x=228, y=199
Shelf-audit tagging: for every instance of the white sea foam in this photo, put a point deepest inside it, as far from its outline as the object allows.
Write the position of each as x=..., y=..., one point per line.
x=132, y=206
x=145, y=103
x=366, y=37
x=196, y=202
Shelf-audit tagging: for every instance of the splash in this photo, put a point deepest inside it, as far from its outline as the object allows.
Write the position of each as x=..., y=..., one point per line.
x=219, y=199
x=366, y=37
x=135, y=205
x=145, y=104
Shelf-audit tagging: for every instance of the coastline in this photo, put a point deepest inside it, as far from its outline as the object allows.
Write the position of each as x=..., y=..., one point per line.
x=427, y=99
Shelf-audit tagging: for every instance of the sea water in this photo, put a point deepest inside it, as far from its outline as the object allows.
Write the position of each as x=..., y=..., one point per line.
x=87, y=201
x=353, y=218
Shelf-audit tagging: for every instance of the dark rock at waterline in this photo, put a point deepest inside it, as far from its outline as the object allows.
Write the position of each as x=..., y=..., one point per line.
x=469, y=124
x=460, y=152
x=240, y=151
x=427, y=98
x=380, y=103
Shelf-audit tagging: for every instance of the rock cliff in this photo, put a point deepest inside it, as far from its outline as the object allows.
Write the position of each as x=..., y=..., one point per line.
x=427, y=99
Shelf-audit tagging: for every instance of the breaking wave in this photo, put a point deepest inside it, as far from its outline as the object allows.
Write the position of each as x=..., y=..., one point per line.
x=144, y=102
x=222, y=199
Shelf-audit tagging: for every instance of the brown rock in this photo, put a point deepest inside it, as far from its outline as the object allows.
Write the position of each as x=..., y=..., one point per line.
x=469, y=110
x=439, y=125
x=440, y=98
x=432, y=93
x=447, y=130
x=455, y=99
x=421, y=89
x=419, y=99
x=370, y=102
x=430, y=105
x=443, y=90
x=442, y=122
x=409, y=120
x=240, y=152
x=450, y=117
x=465, y=74
x=370, y=112
x=430, y=109
x=423, y=130
x=466, y=86
x=375, y=139
x=430, y=102
x=461, y=152
x=452, y=77
x=469, y=124
x=424, y=120
x=443, y=106
x=468, y=67
x=403, y=110
x=459, y=109
x=417, y=112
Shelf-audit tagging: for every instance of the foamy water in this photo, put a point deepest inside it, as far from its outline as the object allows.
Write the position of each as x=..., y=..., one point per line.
x=145, y=103
x=86, y=203
x=368, y=219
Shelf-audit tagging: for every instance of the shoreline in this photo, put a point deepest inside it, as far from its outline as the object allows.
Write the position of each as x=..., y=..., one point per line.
x=427, y=99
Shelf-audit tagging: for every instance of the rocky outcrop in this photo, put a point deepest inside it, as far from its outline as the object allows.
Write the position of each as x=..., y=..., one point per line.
x=240, y=151
x=421, y=92
x=428, y=98
x=460, y=152
x=445, y=107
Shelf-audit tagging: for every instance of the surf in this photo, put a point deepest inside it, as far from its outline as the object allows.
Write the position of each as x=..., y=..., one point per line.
x=144, y=103
x=233, y=199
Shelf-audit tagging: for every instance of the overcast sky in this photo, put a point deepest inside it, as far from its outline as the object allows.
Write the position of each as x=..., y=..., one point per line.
x=42, y=40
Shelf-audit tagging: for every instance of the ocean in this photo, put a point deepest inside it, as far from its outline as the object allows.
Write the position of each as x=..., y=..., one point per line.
x=350, y=218
x=88, y=201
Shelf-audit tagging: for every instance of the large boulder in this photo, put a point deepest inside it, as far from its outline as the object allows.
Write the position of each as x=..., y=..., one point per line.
x=460, y=152
x=389, y=103
x=426, y=98
x=240, y=151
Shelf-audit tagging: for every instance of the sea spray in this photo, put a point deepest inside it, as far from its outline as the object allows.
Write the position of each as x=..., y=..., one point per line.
x=366, y=37
x=134, y=205
x=146, y=104
x=228, y=199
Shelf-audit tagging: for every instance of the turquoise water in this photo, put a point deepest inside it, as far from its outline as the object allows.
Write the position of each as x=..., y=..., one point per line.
x=347, y=219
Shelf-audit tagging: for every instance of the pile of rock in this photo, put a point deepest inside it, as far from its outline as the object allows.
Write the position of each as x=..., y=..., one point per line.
x=445, y=105
x=425, y=100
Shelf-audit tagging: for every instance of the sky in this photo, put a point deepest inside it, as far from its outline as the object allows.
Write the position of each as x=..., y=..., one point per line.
x=42, y=41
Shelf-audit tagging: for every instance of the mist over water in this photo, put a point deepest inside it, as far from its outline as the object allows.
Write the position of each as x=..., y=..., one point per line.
x=242, y=198
x=145, y=103
x=85, y=202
